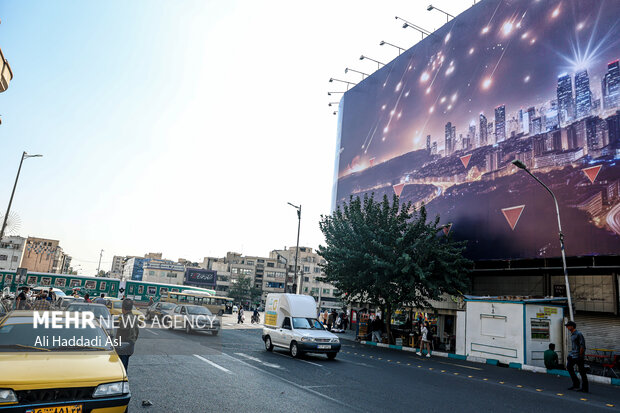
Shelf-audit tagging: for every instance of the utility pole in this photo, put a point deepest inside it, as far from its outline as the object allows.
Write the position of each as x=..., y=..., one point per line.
x=8, y=210
x=298, y=208
x=99, y=265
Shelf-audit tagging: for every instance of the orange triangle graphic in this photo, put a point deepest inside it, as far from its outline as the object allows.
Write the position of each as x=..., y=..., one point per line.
x=513, y=214
x=447, y=228
x=465, y=160
x=398, y=188
x=592, y=172
x=372, y=161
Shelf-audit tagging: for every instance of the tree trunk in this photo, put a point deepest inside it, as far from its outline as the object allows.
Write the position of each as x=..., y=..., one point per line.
x=387, y=319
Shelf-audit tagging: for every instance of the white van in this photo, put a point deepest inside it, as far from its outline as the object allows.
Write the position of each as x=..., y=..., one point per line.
x=290, y=323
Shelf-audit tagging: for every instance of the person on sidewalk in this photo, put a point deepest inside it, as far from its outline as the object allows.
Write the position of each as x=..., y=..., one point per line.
x=376, y=328
x=425, y=341
x=551, y=358
x=577, y=356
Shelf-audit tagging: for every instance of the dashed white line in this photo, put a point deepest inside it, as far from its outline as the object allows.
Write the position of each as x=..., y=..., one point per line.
x=264, y=363
x=152, y=332
x=305, y=361
x=217, y=366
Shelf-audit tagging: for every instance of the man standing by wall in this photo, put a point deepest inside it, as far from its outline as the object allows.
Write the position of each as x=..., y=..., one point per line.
x=576, y=356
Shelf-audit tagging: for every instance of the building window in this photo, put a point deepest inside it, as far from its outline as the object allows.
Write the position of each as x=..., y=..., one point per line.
x=15, y=258
x=151, y=272
x=306, y=269
x=325, y=290
x=306, y=279
x=317, y=270
x=314, y=290
x=250, y=262
x=3, y=257
x=270, y=264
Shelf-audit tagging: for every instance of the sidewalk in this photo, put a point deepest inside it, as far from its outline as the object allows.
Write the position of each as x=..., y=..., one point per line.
x=350, y=335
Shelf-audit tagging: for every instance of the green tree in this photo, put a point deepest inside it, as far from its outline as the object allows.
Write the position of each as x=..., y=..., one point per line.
x=387, y=254
x=240, y=289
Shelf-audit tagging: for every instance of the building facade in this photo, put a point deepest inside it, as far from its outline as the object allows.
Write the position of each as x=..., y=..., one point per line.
x=40, y=255
x=11, y=251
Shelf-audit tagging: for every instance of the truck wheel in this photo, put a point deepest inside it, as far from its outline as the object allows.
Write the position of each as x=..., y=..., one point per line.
x=220, y=313
x=331, y=356
x=295, y=351
x=268, y=344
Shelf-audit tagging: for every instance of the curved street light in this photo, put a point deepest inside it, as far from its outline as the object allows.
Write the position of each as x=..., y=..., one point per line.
x=362, y=57
x=448, y=15
x=400, y=49
x=521, y=165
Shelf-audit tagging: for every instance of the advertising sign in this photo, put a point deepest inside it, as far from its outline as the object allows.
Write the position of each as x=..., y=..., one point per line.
x=200, y=277
x=534, y=81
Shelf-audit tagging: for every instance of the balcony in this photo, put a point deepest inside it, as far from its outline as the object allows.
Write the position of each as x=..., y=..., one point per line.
x=6, y=74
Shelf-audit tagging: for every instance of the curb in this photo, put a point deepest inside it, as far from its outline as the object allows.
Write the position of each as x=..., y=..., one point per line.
x=494, y=362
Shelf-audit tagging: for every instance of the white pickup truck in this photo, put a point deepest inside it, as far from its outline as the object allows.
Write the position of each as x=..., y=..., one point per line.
x=290, y=323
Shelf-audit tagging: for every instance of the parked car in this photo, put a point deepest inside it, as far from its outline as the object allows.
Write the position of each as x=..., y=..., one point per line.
x=160, y=310
x=235, y=309
x=56, y=375
x=290, y=323
x=101, y=312
x=195, y=318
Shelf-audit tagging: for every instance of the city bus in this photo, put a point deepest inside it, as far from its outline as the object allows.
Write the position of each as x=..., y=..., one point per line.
x=217, y=305
x=140, y=291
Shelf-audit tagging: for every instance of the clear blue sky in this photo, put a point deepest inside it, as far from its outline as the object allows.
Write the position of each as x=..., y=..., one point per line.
x=181, y=127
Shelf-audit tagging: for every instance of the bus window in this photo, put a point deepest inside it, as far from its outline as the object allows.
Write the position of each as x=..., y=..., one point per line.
x=140, y=289
x=103, y=285
x=130, y=289
x=151, y=290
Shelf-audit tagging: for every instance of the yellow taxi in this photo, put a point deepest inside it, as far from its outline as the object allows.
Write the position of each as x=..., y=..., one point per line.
x=115, y=305
x=61, y=367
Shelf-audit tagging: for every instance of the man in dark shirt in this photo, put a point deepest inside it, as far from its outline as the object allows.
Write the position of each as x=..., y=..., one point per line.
x=551, y=358
x=22, y=299
x=576, y=356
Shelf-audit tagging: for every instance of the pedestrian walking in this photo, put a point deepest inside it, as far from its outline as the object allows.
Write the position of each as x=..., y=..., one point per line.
x=425, y=341
x=330, y=321
x=22, y=299
x=127, y=332
x=240, y=315
x=577, y=356
x=376, y=329
x=87, y=298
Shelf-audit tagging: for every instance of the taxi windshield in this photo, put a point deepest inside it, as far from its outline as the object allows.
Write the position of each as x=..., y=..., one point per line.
x=117, y=304
x=301, y=323
x=168, y=306
x=24, y=337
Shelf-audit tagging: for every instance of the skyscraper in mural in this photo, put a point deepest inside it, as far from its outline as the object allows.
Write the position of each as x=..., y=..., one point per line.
x=565, y=98
x=483, y=130
x=500, y=123
x=583, y=96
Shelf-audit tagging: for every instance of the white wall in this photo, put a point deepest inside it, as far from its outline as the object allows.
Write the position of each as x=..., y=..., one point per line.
x=494, y=330
x=461, y=331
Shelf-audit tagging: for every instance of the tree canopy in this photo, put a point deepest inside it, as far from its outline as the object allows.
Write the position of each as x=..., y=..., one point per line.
x=243, y=291
x=390, y=255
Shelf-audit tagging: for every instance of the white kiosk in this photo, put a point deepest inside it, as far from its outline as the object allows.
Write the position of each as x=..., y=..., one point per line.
x=511, y=330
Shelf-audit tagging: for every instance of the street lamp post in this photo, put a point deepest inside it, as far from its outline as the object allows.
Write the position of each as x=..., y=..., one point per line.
x=521, y=165
x=99, y=265
x=8, y=210
x=298, y=208
x=285, y=268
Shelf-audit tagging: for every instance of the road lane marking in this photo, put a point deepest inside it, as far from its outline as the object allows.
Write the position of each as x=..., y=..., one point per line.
x=292, y=383
x=470, y=376
x=560, y=394
x=217, y=366
x=152, y=332
x=583, y=400
x=501, y=382
x=538, y=389
x=304, y=361
x=609, y=405
x=264, y=363
x=519, y=386
x=461, y=365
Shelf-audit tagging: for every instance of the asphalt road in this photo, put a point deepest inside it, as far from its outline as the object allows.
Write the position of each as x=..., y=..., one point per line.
x=232, y=372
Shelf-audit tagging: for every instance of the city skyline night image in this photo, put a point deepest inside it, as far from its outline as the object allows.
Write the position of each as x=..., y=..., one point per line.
x=537, y=81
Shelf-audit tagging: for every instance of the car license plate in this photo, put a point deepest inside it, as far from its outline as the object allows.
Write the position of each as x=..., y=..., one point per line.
x=76, y=408
x=323, y=346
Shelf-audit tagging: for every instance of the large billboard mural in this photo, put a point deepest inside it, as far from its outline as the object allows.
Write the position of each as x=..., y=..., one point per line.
x=533, y=80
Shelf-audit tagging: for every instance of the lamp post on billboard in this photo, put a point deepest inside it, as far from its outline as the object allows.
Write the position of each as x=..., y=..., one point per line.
x=448, y=15
x=521, y=165
x=400, y=49
x=362, y=57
